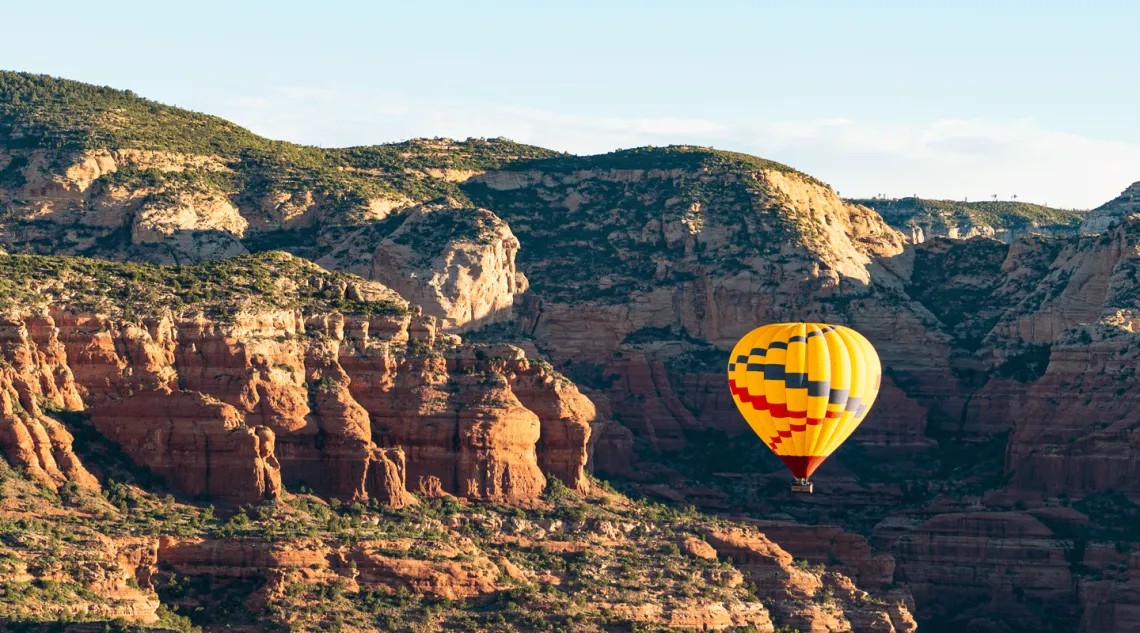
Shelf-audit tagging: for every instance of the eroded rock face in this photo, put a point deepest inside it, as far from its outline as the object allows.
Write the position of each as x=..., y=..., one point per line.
x=1061, y=444
x=458, y=263
x=1006, y=221
x=805, y=599
x=697, y=615
x=955, y=563
x=642, y=277
x=1065, y=350
x=36, y=376
x=716, y=304
x=455, y=573
x=357, y=408
x=199, y=443
x=648, y=296
x=843, y=552
x=1112, y=603
x=1105, y=216
x=979, y=339
x=109, y=571
x=112, y=201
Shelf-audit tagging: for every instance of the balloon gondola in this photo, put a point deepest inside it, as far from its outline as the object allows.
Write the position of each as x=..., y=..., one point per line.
x=804, y=388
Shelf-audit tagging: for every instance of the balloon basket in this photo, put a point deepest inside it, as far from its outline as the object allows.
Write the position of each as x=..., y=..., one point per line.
x=802, y=486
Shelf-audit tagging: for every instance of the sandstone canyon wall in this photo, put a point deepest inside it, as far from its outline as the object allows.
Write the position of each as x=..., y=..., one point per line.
x=995, y=469
x=354, y=407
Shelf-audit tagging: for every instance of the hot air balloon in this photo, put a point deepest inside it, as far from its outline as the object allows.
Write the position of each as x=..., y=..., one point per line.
x=804, y=388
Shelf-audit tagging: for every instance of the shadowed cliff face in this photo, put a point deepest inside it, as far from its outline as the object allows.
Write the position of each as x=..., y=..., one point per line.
x=1007, y=366
x=647, y=266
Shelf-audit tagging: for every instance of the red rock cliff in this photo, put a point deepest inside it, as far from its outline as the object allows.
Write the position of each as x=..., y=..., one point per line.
x=356, y=408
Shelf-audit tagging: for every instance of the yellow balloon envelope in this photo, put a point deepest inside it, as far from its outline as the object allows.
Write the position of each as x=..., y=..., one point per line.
x=804, y=388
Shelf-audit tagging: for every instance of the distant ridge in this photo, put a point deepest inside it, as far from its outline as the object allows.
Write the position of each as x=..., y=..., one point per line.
x=1007, y=219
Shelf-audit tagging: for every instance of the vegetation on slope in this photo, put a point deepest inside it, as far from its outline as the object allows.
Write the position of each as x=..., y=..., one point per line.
x=38, y=111
x=687, y=157
x=334, y=197
x=41, y=112
x=577, y=229
x=998, y=214
x=558, y=581
x=220, y=289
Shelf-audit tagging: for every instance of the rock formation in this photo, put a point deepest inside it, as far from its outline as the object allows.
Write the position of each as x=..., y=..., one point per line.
x=362, y=406
x=986, y=470
x=229, y=410
x=459, y=264
x=1103, y=217
x=804, y=600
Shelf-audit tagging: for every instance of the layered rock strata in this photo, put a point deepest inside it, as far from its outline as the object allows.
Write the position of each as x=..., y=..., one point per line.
x=355, y=407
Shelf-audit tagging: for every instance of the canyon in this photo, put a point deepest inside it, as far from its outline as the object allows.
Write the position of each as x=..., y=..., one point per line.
x=486, y=323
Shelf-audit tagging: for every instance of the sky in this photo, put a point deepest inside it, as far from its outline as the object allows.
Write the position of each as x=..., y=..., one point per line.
x=957, y=100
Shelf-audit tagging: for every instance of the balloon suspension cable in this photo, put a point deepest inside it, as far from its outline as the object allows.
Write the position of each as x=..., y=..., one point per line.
x=802, y=485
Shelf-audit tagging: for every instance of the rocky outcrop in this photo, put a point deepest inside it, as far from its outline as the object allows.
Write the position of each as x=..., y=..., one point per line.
x=842, y=552
x=979, y=339
x=1060, y=444
x=358, y=408
x=696, y=615
x=1102, y=218
x=968, y=564
x=700, y=274
x=646, y=265
x=199, y=443
x=1064, y=356
x=566, y=418
x=454, y=573
x=806, y=599
x=35, y=376
x=1005, y=221
x=458, y=263
x=1112, y=603
x=145, y=204
x=715, y=304
x=108, y=574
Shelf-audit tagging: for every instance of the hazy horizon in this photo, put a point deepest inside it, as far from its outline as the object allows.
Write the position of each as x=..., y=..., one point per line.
x=884, y=98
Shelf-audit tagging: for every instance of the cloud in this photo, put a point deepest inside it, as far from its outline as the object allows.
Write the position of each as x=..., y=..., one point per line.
x=955, y=158
x=308, y=94
x=970, y=146
x=252, y=102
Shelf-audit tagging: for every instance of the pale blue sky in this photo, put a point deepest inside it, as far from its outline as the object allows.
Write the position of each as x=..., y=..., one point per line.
x=943, y=99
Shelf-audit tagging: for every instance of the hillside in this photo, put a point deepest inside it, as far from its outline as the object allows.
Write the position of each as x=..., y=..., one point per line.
x=43, y=112
x=128, y=172
x=1004, y=220
x=236, y=443
x=1123, y=206
x=458, y=397
x=219, y=290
